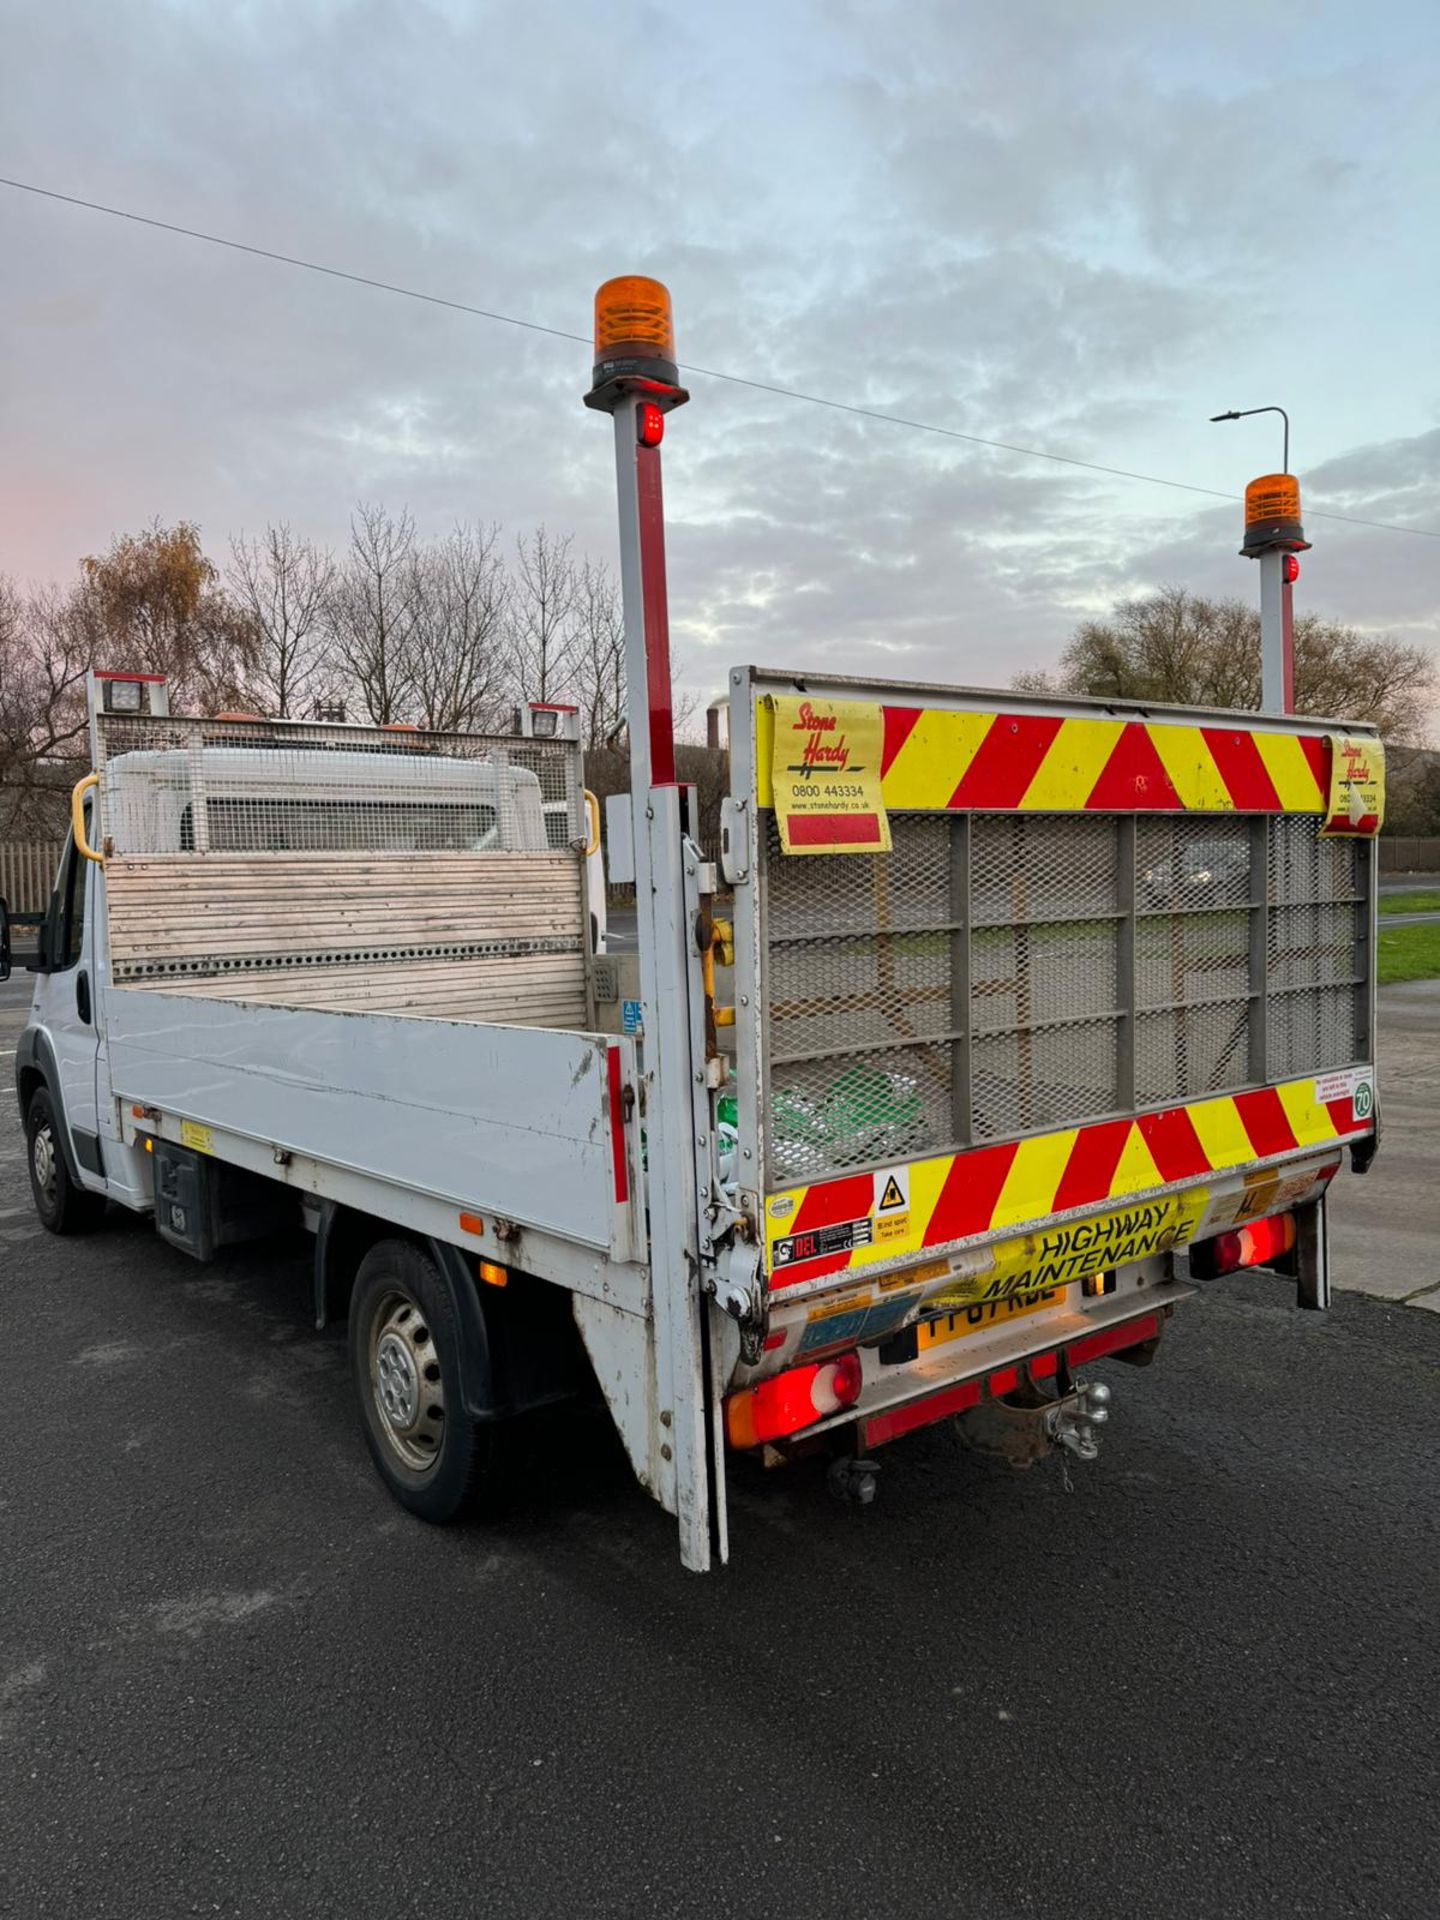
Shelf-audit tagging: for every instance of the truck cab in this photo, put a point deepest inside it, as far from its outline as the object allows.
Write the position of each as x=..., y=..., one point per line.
x=58, y=1059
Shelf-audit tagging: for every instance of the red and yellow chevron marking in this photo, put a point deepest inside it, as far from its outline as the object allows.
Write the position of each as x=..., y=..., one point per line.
x=937, y=760
x=989, y=1189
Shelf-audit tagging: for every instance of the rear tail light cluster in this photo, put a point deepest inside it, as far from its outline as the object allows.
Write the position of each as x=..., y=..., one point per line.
x=1253, y=1246
x=800, y=1396
x=794, y=1399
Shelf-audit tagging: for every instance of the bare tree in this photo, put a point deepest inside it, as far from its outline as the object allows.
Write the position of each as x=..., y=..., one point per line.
x=284, y=584
x=1176, y=646
x=543, y=603
x=598, y=673
x=45, y=650
x=372, y=610
x=463, y=667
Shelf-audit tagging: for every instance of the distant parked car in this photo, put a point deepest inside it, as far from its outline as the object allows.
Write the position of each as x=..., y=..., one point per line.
x=1210, y=866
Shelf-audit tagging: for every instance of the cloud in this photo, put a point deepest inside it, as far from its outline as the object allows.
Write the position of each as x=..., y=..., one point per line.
x=1393, y=479
x=1050, y=225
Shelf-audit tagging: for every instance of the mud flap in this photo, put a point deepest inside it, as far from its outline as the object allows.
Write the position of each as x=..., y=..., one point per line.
x=1312, y=1256
x=622, y=1351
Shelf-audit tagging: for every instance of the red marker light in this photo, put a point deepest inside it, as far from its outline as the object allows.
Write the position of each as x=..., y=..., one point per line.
x=1292, y=569
x=649, y=424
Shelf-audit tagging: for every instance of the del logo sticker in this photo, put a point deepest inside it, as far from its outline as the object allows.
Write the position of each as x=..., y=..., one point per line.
x=825, y=776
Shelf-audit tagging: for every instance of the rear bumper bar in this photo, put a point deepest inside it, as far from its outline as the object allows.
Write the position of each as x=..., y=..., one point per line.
x=968, y=1369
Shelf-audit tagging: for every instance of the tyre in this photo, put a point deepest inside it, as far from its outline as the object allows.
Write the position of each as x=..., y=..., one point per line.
x=405, y=1361
x=63, y=1206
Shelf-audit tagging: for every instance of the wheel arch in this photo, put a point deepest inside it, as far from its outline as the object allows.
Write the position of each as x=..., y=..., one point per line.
x=519, y=1345
x=35, y=1067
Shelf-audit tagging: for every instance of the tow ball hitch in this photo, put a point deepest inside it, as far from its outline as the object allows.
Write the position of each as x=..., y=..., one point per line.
x=1020, y=1436
x=1072, y=1424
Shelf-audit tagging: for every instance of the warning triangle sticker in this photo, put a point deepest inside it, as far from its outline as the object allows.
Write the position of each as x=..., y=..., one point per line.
x=892, y=1196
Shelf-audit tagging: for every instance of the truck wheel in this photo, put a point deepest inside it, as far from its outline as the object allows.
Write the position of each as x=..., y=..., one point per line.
x=405, y=1362
x=63, y=1206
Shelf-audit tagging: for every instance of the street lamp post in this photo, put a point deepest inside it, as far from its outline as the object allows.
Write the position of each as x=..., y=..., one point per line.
x=1273, y=536
x=1244, y=413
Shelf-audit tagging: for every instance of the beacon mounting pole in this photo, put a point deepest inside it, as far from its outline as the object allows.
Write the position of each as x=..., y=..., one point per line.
x=636, y=381
x=1273, y=536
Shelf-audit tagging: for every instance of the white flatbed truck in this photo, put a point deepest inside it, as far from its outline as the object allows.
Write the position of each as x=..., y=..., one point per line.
x=1033, y=1013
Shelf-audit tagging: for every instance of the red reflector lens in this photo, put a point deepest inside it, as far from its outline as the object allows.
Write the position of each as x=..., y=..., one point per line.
x=1248, y=1246
x=649, y=424
x=881, y=1427
x=1292, y=569
x=794, y=1399
x=845, y=1383
x=1130, y=1333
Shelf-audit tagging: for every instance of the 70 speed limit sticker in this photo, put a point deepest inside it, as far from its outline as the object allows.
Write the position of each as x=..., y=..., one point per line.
x=1355, y=1084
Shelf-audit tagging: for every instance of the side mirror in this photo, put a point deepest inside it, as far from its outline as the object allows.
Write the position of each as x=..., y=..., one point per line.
x=4, y=941
x=41, y=962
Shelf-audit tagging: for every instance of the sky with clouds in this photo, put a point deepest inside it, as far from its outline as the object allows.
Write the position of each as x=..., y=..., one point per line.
x=1080, y=227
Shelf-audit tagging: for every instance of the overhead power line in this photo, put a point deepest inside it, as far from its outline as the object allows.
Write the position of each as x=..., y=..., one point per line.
x=705, y=373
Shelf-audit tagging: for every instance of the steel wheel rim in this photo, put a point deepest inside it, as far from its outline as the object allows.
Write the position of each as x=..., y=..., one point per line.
x=42, y=1162
x=406, y=1387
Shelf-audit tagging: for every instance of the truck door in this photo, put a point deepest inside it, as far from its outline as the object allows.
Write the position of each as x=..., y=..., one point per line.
x=65, y=1005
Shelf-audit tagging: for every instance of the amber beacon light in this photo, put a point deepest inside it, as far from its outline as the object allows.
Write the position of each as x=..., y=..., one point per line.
x=635, y=342
x=1272, y=515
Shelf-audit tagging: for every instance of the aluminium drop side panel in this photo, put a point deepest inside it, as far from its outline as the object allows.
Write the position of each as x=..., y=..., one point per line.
x=509, y=1121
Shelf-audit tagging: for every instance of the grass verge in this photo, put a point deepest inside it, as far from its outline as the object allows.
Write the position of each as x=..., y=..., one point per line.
x=1409, y=953
x=1423, y=900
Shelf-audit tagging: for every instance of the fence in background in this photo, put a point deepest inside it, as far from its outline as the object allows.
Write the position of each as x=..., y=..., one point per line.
x=27, y=873
x=1409, y=855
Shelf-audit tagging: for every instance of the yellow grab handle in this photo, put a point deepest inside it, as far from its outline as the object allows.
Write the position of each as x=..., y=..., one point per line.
x=721, y=944
x=77, y=816
x=592, y=811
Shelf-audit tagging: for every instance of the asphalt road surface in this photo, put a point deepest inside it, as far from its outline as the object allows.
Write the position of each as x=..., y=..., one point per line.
x=236, y=1679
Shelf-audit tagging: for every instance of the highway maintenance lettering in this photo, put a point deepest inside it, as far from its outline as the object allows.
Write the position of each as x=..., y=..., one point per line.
x=1041, y=1261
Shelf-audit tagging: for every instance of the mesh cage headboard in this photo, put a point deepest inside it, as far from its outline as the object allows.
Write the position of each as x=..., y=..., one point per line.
x=173, y=786
x=335, y=865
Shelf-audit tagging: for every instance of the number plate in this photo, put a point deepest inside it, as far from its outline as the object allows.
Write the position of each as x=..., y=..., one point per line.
x=982, y=1314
